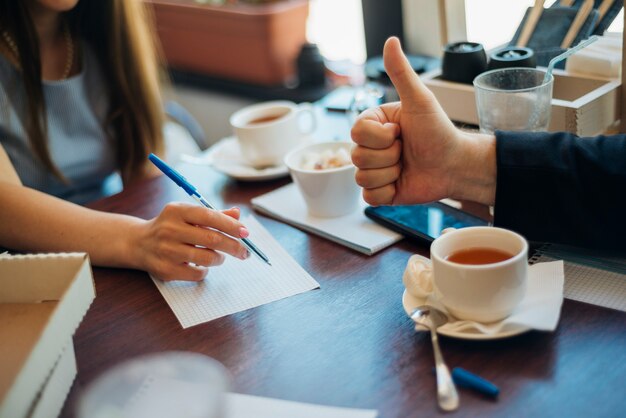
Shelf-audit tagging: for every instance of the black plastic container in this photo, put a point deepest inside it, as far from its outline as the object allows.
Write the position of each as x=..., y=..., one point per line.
x=463, y=61
x=512, y=56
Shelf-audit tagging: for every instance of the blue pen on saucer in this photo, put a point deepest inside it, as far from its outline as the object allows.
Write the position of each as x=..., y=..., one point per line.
x=181, y=181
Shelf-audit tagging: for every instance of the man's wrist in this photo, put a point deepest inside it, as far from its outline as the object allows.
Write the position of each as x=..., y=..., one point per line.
x=474, y=178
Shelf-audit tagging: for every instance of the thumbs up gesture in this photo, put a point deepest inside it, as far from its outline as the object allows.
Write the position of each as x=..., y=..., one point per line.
x=410, y=152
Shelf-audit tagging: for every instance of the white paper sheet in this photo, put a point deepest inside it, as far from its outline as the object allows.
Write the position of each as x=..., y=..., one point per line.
x=164, y=397
x=238, y=285
x=246, y=406
x=355, y=230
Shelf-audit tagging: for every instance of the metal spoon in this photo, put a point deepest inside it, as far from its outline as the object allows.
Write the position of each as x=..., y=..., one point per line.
x=432, y=319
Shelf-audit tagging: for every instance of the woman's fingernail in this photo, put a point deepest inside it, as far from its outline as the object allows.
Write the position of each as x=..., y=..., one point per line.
x=244, y=254
x=236, y=208
x=243, y=232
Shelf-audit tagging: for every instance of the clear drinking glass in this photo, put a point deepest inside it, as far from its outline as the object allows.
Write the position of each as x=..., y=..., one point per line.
x=513, y=99
x=160, y=385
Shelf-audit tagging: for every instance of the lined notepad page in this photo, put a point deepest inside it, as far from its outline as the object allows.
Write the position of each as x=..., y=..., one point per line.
x=589, y=284
x=238, y=285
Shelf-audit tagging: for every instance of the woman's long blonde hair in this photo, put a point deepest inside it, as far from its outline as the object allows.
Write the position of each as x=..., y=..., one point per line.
x=121, y=34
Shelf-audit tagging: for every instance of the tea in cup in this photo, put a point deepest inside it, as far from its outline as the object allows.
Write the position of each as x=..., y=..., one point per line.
x=324, y=174
x=480, y=273
x=267, y=131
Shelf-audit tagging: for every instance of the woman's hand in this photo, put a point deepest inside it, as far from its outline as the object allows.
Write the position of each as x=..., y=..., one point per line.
x=185, y=239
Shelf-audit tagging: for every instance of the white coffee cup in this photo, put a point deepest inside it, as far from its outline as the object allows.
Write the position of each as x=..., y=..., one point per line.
x=330, y=192
x=268, y=131
x=480, y=292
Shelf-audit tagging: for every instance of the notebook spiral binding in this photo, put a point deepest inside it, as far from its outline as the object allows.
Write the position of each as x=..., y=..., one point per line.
x=538, y=253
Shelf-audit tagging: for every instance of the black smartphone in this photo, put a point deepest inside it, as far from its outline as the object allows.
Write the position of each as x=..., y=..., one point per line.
x=424, y=222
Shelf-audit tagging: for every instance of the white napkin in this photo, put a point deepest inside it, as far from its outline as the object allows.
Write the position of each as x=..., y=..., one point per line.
x=540, y=309
x=602, y=58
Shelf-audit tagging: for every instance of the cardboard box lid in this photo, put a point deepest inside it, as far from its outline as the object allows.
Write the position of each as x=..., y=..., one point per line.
x=50, y=400
x=43, y=299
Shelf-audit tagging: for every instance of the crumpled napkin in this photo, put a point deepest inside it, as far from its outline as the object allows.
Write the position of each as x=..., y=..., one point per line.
x=540, y=309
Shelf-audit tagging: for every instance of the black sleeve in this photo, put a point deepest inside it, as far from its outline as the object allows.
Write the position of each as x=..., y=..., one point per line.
x=557, y=187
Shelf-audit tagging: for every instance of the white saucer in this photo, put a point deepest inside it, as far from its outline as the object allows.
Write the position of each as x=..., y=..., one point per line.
x=410, y=302
x=225, y=157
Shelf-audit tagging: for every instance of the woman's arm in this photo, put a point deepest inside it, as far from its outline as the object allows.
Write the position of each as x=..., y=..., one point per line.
x=7, y=171
x=164, y=246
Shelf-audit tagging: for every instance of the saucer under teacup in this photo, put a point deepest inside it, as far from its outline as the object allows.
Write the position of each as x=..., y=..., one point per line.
x=225, y=157
x=539, y=310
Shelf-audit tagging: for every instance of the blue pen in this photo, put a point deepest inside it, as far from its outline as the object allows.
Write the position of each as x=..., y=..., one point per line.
x=181, y=181
x=469, y=380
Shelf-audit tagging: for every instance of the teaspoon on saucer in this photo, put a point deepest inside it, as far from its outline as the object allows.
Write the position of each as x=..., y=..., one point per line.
x=432, y=319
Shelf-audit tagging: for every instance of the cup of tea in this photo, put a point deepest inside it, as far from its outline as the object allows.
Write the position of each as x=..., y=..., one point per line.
x=324, y=174
x=267, y=131
x=480, y=273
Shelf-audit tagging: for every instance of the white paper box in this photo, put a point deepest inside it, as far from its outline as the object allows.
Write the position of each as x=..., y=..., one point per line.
x=43, y=299
x=52, y=397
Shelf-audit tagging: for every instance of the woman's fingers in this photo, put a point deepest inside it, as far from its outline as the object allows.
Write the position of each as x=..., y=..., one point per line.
x=198, y=215
x=201, y=256
x=186, y=272
x=234, y=213
x=212, y=239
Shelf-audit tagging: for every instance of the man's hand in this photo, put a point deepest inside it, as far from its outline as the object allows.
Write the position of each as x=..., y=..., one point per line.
x=409, y=151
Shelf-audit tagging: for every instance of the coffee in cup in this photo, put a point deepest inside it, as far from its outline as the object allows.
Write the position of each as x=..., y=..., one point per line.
x=480, y=273
x=267, y=131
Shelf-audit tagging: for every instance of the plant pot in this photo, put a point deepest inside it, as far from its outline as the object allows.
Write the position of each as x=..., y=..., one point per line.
x=256, y=44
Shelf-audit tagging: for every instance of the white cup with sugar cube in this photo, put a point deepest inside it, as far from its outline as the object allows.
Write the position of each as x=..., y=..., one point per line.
x=324, y=174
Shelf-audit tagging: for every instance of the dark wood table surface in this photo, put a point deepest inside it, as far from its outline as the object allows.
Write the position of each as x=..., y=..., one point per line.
x=350, y=342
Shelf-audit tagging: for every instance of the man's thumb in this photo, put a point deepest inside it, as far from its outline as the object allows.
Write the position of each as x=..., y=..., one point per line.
x=406, y=81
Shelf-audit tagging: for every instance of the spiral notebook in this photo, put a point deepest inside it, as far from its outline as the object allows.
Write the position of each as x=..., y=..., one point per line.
x=590, y=276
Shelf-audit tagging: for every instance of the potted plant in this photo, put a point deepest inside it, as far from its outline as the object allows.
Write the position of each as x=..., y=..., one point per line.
x=252, y=41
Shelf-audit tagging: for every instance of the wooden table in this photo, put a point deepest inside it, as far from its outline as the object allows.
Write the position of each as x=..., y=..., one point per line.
x=349, y=343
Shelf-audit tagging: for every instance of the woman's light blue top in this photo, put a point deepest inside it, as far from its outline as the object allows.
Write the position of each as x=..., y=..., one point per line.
x=75, y=111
